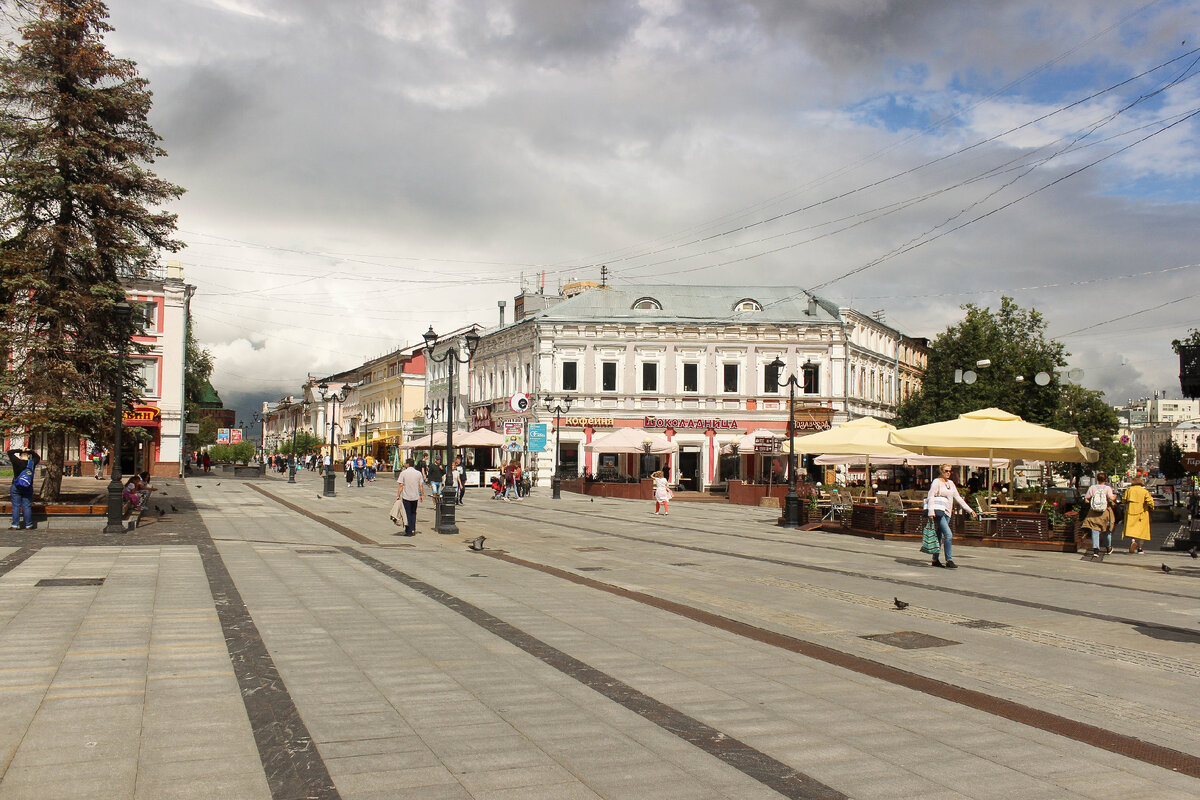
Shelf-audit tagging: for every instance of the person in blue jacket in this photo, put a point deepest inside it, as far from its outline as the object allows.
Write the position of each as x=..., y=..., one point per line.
x=21, y=492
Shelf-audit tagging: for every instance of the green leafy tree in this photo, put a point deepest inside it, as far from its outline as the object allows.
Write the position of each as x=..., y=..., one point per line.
x=232, y=453
x=305, y=442
x=198, y=367
x=1015, y=342
x=1085, y=412
x=76, y=194
x=1170, y=460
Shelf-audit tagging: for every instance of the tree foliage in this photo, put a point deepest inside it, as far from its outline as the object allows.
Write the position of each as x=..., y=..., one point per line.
x=1170, y=460
x=75, y=218
x=1085, y=412
x=1014, y=340
x=232, y=453
x=305, y=442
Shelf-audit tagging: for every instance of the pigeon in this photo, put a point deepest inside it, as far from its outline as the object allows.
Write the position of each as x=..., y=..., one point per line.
x=173, y=508
x=1166, y=569
x=1192, y=552
x=161, y=512
x=218, y=483
x=900, y=604
x=477, y=543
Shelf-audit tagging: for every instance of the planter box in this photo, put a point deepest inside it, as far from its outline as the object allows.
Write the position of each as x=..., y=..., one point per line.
x=914, y=521
x=865, y=518
x=1023, y=525
x=977, y=528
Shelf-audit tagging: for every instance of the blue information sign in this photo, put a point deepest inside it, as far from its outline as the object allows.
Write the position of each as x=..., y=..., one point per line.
x=537, y=437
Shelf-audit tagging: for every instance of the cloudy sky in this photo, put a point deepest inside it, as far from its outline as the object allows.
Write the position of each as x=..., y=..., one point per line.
x=360, y=170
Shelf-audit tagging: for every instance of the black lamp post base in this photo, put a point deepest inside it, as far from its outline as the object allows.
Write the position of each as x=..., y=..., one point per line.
x=556, y=487
x=791, y=511
x=330, y=483
x=292, y=472
x=116, y=519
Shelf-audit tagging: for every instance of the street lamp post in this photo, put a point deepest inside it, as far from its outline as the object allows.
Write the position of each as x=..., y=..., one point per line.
x=116, y=520
x=292, y=456
x=445, y=522
x=336, y=398
x=262, y=434
x=558, y=407
x=791, y=504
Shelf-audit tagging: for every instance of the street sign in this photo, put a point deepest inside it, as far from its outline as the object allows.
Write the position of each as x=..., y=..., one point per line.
x=766, y=445
x=191, y=427
x=537, y=437
x=1191, y=462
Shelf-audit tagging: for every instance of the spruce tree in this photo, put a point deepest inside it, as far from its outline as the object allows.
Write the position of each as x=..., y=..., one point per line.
x=79, y=213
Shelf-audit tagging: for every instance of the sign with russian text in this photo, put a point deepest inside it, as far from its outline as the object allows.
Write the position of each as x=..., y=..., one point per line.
x=1191, y=462
x=146, y=416
x=583, y=422
x=235, y=435
x=537, y=437
x=766, y=445
x=692, y=424
x=514, y=435
x=222, y=435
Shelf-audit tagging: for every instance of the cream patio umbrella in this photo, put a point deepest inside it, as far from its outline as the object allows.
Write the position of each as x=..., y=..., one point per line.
x=865, y=436
x=993, y=433
x=480, y=437
x=632, y=440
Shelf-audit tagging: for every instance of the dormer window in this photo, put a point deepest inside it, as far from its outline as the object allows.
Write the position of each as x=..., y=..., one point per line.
x=648, y=304
x=747, y=305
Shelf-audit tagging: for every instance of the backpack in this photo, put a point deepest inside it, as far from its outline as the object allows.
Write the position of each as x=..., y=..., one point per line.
x=1099, y=501
x=25, y=479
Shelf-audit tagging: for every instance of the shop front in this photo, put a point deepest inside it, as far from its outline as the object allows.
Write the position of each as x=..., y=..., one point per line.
x=141, y=439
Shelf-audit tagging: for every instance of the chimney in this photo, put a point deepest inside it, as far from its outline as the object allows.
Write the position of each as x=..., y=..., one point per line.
x=501, y=304
x=812, y=306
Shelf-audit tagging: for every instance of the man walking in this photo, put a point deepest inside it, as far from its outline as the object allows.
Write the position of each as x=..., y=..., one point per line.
x=436, y=474
x=410, y=489
x=360, y=469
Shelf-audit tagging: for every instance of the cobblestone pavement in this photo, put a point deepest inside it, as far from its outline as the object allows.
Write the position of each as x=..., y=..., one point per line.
x=259, y=640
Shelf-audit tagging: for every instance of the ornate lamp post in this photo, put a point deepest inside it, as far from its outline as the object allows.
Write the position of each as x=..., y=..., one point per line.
x=558, y=408
x=336, y=399
x=791, y=504
x=446, y=506
x=116, y=520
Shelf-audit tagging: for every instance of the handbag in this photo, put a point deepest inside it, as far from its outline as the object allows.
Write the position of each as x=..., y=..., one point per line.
x=930, y=543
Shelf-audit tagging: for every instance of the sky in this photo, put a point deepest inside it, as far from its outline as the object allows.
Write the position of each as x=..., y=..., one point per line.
x=358, y=171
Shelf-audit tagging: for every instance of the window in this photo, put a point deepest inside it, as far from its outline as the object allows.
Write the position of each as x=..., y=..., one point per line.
x=691, y=377
x=731, y=378
x=608, y=376
x=649, y=377
x=148, y=371
x=647, y=304
x=569, y=376
x=812, y=379
x=771, y=379
x=144, y=316
x=747, y=305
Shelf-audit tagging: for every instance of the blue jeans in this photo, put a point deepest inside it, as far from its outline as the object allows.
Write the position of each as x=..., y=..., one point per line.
x=942, y=521
x=1096, y=539
x=21, y=503
x=360, y=473
x=436, y=486
x=410, y=515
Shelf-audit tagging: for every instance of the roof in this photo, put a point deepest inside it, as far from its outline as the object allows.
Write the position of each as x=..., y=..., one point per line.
x=209, y=396
x=779, y=304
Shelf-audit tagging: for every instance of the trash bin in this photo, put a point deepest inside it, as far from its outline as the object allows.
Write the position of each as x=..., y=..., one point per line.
x=444, y=507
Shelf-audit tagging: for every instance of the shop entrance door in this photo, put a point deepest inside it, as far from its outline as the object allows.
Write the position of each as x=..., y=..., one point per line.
x=689, y=469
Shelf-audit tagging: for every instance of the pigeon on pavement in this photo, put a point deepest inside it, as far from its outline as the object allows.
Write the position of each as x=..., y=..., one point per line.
x=900, y=604
x=477, y=543
x=1192, y=552
x=1166, y=569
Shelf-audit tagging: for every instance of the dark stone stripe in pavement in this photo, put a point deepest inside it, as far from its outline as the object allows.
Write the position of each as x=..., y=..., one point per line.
x=342, y=529
x=1026, y=715
x=1186, y=633
x=739, y=755
x=17, y=558
x=292, y=765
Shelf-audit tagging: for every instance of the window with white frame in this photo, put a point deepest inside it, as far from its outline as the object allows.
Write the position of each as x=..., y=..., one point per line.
x=147, y=369
x=812, y=379
x=570, y=376
x=691, y=376
x=729, y=381
x=771, y=374
x=608, y=376
x=649, y=377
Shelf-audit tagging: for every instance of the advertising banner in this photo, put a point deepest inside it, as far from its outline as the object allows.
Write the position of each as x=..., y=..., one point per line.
x=235, y=435
x=514, y=435
x=222, y=435
x=537, y=437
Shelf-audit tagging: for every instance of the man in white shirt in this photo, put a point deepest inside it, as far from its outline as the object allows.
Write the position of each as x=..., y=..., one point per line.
x=410, y=489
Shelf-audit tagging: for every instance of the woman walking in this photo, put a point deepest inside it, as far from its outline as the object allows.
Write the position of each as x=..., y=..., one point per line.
x=940, y=504
x=1138, y=504
x=1099, y=502
x=662, y=493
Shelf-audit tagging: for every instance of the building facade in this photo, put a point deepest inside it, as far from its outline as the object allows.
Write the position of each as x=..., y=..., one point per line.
x=695, y=362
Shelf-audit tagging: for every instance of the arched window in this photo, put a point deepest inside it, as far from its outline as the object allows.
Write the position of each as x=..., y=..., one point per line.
x=647, y=304
x=746, y=304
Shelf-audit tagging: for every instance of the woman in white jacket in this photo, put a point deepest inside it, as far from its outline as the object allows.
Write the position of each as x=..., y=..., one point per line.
x=939, y=502
x=662, y=493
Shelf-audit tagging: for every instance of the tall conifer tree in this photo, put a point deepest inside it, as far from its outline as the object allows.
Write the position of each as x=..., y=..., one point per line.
x=77, y=215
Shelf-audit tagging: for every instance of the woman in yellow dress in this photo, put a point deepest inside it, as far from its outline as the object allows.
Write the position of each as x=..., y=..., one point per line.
x=1138, y=503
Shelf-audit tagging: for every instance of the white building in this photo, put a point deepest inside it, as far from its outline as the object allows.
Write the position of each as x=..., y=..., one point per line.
x=691, y=361
x=1164, y=411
